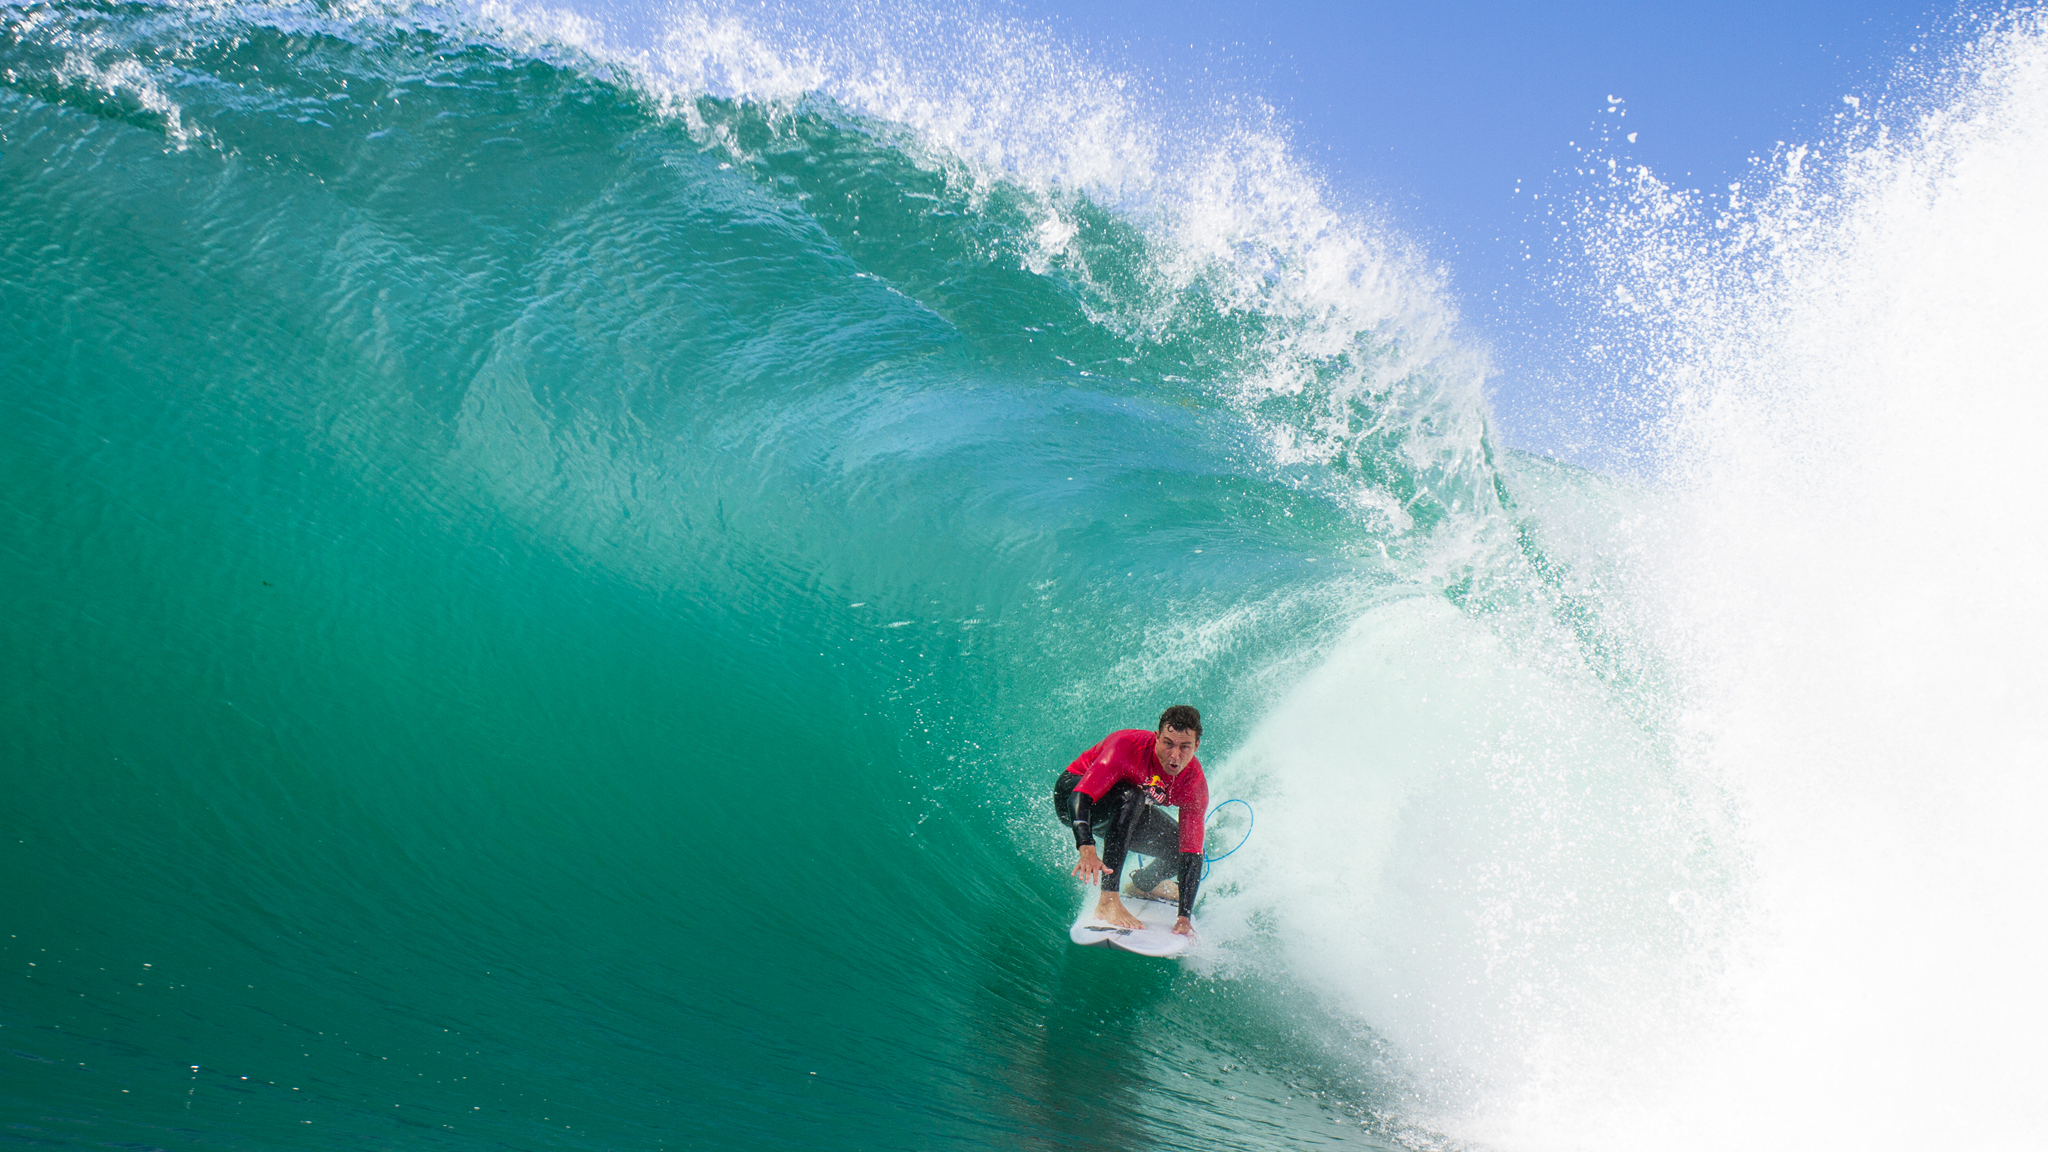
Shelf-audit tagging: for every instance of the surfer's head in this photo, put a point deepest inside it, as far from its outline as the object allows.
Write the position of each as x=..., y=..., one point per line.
x=1180, y=733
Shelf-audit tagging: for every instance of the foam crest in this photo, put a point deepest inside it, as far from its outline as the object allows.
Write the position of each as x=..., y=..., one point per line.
x=1772, y=888
x=1349, y=330
x=82, y=64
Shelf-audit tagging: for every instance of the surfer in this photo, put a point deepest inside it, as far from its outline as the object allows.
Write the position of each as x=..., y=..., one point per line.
x=1113, y=790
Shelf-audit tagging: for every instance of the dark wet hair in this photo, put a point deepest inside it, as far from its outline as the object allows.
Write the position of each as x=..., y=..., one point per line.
x=1183, y=717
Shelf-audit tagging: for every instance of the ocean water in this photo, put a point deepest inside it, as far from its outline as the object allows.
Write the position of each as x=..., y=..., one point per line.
x=549, y=564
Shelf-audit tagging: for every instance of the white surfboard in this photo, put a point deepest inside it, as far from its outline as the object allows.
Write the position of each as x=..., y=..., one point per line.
x=1156, y=938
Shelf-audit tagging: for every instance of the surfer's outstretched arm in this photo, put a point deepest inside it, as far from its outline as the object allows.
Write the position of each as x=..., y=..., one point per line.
x=1190, y=882
x=1092, y=869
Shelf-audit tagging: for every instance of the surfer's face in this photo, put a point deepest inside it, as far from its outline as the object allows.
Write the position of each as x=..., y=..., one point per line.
x=1175, y=747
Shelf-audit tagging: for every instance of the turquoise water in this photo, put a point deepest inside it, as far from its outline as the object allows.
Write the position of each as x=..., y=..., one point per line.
x=530, y=629
x=543, y=598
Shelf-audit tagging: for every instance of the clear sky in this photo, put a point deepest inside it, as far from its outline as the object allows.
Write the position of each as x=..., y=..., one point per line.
x=1438, y=113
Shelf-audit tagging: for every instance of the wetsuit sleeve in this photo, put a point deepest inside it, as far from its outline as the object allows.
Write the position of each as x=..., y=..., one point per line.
x=1084, y=820
x=1194, y=814
x=1084, y=802
x=1190, y=879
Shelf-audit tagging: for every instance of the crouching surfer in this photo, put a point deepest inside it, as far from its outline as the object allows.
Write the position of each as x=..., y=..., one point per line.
x=1114, y=790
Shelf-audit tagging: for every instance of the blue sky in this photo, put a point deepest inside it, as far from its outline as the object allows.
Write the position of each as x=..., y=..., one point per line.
x=1437, y=113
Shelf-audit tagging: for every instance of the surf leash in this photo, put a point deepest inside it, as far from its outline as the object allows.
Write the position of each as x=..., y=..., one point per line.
x=1251, y=821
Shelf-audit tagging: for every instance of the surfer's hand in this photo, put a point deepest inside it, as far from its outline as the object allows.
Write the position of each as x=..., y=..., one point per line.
x=1090, y=867
x=1184, y=927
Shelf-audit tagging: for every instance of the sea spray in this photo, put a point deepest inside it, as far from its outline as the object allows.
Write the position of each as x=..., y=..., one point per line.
x=1730, y=842
x=1842, y=587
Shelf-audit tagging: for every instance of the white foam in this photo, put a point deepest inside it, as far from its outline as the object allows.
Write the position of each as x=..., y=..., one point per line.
x=1828, y=766
x=1851, y=589
x=1517, y=872
x=102, y=69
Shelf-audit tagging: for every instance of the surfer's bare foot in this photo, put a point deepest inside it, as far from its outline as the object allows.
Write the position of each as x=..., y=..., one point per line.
x=1167, y=891
x=1111, y=910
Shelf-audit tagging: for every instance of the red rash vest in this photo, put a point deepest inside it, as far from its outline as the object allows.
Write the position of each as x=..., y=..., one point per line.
x=1127, y=755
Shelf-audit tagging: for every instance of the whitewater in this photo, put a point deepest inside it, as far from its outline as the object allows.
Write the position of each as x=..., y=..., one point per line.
x=526, y=532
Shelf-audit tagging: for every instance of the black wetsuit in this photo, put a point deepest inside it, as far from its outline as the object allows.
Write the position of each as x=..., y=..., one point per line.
x=1127, y=821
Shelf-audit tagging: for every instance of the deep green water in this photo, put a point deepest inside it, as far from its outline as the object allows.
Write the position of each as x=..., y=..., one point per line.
x=534, y=618
x=545, y=577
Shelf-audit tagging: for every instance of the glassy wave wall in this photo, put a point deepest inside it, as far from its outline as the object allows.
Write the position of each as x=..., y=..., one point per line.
x=548, y=575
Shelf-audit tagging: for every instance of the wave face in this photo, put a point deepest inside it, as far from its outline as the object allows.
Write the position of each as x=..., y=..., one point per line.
x=547, y=576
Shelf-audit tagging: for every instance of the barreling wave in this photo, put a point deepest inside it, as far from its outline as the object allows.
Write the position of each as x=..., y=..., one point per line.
x=551, y=562
x=587, y=580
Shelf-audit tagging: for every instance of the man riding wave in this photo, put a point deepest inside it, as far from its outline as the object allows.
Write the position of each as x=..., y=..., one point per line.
x=1114, y=790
